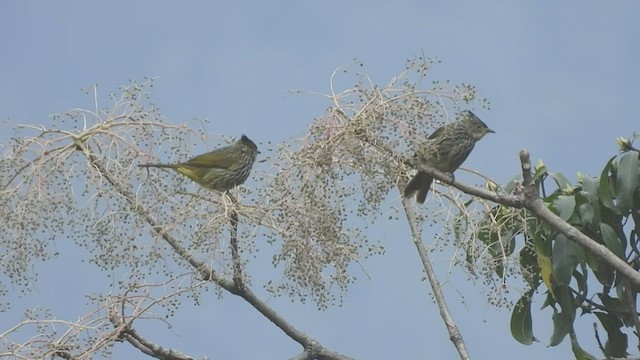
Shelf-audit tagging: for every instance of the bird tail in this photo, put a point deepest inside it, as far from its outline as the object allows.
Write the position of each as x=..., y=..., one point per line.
x=171, y=166
x=419, y=185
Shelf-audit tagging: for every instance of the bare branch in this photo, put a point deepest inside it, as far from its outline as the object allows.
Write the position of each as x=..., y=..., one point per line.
x=144, y=345
x=454, y=334
x=208, y=273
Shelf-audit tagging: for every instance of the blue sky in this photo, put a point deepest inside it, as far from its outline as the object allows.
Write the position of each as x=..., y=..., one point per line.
x=562, y=79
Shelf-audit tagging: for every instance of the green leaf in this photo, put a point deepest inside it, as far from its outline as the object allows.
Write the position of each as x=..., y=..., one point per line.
x=604, y=192
x=587, y=213
x=540, y=171
x=604, y=274
x=592, y=260
x=590, y=188
x=617, y=342
x=548, y=301
x=627, y=180
x=579, y=352
x=529, y=265
x=564, y=206
x=546, y=266
x=563, y=321
x=611, y=240
x=561, y=180
x=588, y=210
x=561, y=325
x=521, y=323
x=613, y=304
x=581, y=279
x=566, y=256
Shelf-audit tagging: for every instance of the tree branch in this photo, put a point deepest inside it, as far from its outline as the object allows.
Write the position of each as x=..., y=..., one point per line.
x=308, y=343
x=515, y=201
x=139, y=342
x=528, y=198
x=452, y=328
x=534, y=204
x=236, y=262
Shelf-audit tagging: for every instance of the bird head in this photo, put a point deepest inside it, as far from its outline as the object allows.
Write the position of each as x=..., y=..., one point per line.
x=248, y=143
x=477, y=128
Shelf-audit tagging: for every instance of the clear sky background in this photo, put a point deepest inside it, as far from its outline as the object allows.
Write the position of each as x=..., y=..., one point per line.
x=562, y=77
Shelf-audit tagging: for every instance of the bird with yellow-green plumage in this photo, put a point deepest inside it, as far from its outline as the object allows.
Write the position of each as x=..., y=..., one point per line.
x=446, y=149
x=221, y=169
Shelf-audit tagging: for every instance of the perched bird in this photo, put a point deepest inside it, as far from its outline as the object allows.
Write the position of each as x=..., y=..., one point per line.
x=221, y=169
x=446, y=149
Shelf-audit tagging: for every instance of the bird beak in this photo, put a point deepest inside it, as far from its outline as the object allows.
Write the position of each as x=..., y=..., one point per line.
x=491, y=131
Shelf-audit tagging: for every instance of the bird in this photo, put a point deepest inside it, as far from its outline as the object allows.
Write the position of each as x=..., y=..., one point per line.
x=446, y=149
x=221, y=169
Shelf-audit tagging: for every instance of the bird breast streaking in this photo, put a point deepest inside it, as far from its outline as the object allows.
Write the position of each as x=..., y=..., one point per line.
x=221, y=169
x=446, y=149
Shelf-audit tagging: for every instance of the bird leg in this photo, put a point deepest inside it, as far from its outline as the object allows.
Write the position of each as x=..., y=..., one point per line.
x=451, y=178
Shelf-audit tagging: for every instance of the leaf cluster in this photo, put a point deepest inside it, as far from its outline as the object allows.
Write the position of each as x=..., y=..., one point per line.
x=574, y=281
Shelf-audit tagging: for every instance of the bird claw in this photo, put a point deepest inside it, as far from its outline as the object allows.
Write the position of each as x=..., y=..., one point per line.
x=451, y=178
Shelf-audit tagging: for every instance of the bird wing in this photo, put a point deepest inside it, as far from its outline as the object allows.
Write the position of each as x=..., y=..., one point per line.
x=218, y=158
x=437, y=133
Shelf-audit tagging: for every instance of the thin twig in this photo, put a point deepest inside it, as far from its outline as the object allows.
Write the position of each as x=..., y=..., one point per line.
x=454, y=334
